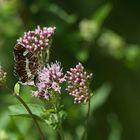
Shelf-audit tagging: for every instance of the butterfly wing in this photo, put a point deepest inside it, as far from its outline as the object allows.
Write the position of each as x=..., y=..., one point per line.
x=26, y=65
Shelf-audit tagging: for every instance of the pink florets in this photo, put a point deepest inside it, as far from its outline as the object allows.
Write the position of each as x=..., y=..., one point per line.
x=49, y=79
x=2, y=75
x=78, y=83
x=38, y=39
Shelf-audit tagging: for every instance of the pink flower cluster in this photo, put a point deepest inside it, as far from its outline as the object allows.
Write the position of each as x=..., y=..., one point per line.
x=78, y=83
x=38, y=39
x=49, y=79
x=2, y=75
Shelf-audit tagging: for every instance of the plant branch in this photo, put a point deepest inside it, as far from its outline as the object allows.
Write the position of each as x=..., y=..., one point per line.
x=60, y=131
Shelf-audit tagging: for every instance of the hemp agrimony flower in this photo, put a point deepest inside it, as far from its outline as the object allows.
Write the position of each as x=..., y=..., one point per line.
x=2, y=76
x=38, y=39
x=78, y=82
x=30, y=53
x=49, y=80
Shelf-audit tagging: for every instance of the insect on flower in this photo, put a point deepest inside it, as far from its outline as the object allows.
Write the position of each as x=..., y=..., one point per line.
x=26, y=65
x=29, y=53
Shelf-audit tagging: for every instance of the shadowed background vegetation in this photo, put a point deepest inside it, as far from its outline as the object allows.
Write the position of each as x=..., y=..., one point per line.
x=104, y=36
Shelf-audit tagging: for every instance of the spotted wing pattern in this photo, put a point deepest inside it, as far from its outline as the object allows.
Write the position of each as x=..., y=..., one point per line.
x=26, y=65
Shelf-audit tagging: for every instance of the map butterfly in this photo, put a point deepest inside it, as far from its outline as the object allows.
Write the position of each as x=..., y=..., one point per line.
x=26, y=65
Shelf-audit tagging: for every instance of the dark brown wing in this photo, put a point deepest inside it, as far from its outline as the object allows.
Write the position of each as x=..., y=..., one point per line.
x=20, y=64
x=26, y=64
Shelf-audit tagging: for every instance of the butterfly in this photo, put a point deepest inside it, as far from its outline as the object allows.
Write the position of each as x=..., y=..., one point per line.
x=26, y=65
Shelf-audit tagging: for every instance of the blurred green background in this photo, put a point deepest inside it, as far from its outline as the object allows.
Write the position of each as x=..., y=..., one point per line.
x=104, y=36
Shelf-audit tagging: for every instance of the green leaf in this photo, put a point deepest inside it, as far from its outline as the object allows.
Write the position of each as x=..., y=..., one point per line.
x=61, y=13
x=102, y=13
x=101, y=96
x=19, y=110
x=62, y=115
x=54, y=118
x=50, y=116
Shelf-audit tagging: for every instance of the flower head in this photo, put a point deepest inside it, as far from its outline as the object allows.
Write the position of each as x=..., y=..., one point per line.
x=49, y=79
x=2, y=75
x=78, y=83
x=38, y=39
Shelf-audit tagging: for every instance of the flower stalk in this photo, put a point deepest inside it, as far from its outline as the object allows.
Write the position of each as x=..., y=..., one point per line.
x=60, y=132
x=84, y=135
x=59, y=129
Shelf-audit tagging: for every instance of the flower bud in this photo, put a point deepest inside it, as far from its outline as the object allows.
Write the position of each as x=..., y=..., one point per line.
x=78, y=86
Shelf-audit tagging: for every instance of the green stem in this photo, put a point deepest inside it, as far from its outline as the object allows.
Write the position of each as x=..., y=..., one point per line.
x=59, y=129
x=87, y=121
x=48, y=55
x=48, y=52
x=31, y=114
x=60, y=132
